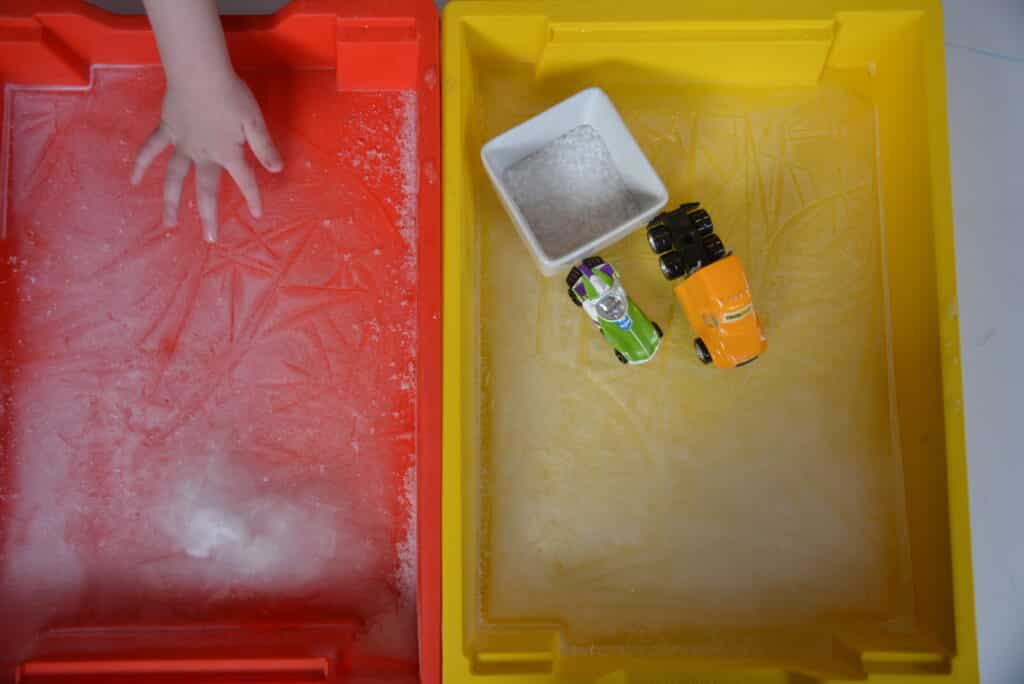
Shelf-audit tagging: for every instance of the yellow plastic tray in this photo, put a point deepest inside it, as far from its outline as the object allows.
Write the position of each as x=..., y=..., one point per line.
x=800, y=519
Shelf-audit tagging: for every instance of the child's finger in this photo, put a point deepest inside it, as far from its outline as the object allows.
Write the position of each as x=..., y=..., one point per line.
x=156, y=143
x=245, y=179
x=174, y=180
x=262, y=146
x=207, y=185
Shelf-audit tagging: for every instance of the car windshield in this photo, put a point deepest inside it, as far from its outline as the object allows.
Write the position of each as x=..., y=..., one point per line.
x=733, y=316
x=612, y=305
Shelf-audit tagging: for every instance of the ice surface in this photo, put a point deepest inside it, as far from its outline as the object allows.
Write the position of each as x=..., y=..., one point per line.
x=194, y=432
x=570, y=191
x=632, y=504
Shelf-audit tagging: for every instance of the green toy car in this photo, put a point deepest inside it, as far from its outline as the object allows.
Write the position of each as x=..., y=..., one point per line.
x=595, y=286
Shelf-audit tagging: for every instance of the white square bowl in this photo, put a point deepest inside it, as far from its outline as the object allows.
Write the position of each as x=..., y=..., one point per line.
x=589, y=107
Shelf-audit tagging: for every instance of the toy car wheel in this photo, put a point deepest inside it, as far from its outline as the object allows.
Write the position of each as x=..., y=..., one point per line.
x=702, y=222
x=621, y=357
x=672, y=265
x=659, y=239
x=572, y=296
x=593, y=262
x=703, y=355
x=657, y=329
x=573, y=276
x=713, y=244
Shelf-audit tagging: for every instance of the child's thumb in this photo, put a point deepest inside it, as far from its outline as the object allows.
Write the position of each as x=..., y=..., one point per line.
x=262, y=146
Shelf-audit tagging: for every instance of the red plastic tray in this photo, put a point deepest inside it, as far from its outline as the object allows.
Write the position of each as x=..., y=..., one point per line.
x=218, y=462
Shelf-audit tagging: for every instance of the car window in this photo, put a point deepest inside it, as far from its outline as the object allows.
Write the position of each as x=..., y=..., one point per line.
x=612, y=306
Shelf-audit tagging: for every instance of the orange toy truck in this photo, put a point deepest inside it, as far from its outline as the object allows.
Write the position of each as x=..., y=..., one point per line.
x=713, y=289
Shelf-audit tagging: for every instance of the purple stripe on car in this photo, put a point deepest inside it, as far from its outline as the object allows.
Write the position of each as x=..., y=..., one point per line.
x=607, y=269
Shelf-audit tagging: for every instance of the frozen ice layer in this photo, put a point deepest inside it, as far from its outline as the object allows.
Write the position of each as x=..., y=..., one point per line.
x=634, y=505
x=190, y=433
x=570, y=191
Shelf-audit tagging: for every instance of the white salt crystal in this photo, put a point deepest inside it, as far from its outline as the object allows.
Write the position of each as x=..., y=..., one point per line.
x=570, y=191
x=210, y=529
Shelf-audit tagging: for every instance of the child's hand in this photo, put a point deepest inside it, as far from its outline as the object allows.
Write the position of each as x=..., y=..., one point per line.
x=209, y=113
x=209, y=123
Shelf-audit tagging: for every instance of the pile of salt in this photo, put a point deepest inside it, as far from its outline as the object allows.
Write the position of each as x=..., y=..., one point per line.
x=570, y=191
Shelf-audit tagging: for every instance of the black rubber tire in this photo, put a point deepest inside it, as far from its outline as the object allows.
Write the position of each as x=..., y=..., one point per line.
x=702, y=222
x=713, y=244
x=572, y=296
x=622, y=359
x=593, y=262
x=659, y=239
x=657, y=329
x=703, y=355
x=573, y=276
x=672, y=265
